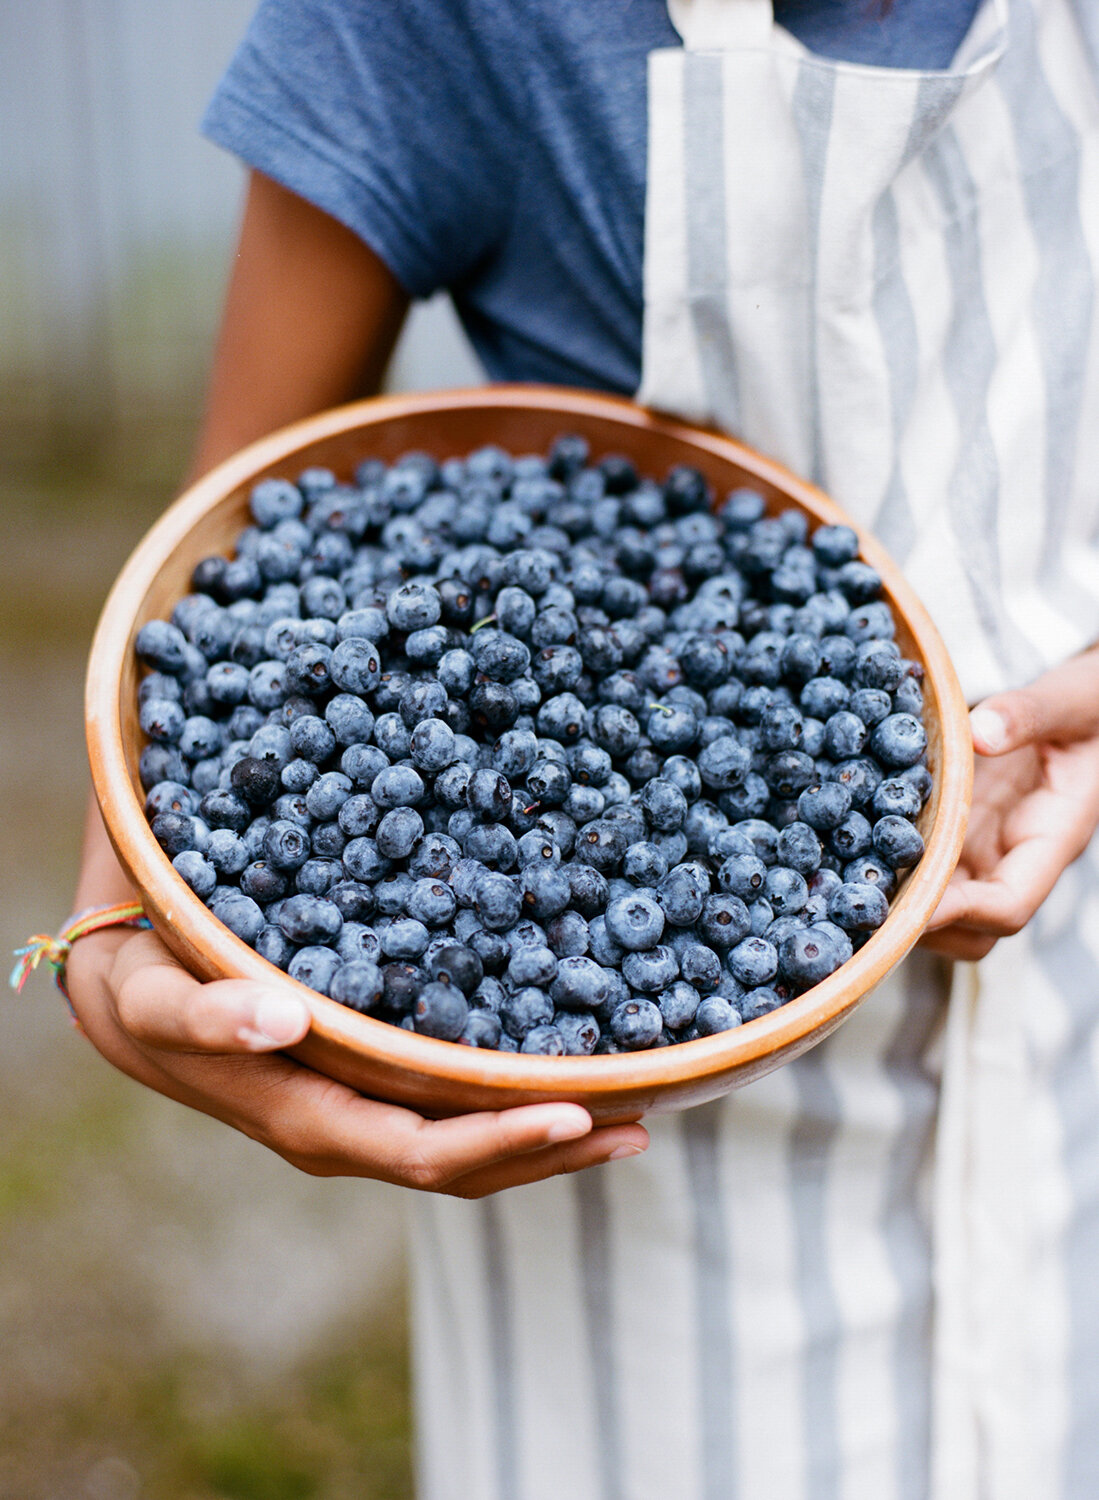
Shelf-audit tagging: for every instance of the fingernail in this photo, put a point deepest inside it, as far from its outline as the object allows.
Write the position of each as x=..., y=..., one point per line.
x=986, y=724
x=567, y=1130
x=279, y=1019
x=622, y=1151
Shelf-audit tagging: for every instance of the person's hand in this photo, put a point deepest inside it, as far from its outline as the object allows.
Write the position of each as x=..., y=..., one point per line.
x=1035, y=806
x=214, y=1047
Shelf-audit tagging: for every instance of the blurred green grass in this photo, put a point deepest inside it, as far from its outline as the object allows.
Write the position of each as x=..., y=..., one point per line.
x=183, y=1316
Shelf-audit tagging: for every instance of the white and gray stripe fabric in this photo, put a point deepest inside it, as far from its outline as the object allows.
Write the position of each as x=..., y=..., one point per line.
x=871, y=1275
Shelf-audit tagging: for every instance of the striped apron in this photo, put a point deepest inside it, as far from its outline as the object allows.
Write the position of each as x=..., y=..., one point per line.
x=874, y=1274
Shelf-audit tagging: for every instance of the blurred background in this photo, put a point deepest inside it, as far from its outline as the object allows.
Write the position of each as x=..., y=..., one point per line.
x=183, y=1317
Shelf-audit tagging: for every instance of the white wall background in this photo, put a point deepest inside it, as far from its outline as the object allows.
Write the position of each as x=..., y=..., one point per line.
x=116, y=217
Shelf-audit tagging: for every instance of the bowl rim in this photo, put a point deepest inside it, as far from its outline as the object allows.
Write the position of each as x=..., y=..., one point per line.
x=780, y=1032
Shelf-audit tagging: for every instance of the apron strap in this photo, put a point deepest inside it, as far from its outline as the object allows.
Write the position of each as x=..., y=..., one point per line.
x=717, y=25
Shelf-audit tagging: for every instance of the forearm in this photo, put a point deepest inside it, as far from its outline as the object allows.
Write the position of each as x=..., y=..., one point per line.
x=102, y=881
x=311, y=317
x=310, y=320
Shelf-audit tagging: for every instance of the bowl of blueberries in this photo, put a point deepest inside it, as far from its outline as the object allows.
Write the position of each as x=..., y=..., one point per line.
x=552, y=748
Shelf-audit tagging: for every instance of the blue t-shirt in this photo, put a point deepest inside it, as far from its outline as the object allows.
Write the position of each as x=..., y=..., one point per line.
x=498, y=149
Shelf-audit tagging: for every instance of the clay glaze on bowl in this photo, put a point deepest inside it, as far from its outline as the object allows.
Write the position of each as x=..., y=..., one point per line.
x=383, y=1061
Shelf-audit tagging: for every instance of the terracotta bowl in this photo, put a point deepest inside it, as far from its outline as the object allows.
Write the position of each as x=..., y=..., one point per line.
x=383, y=1061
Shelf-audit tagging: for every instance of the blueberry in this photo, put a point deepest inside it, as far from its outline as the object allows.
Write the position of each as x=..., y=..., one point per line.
x=532, y=964
x=401, y=986
x=162, y=646
x=548, y=783
x=579, y=984
x=274, y=946
x=743, y=875
x=899, y=740
x=799, y=847
x=567, y=934
x=358, y=984
x=490, y=844
x=602, y=945
x=310, y=919
x=682, y=891
x=308, y=670
x=589, y=890
x=498, y=901
x=228, y=853
x=858, y=908
x=579, y=1033
x=678, y=1005
x=455, y=670
x=435, y=855
x=197, y=871
x=362, y=861
x=491, y=948
x=759, y=1001
x=861, y=776
x=724, y=921
x=895, y=796
x=482, y=1029
x=644, y=864
x=430, y=902
x=545, y=1041
x=404, y=938
x=397, y=786
x=545, y=891
x=919, y=777
x=724, y=762
x=459, y=966
x=851, y=837
x=897, y=841
x=524, y=1009
x=162, y=720
x=398, y=832
x=636, y=1024
x=441, y=1010
x=614, y=729
x=866, y=870
x=824, y=805
x=753, y=962
x=699, y=966
x=785, y=890
x=413, y=606
x=493, y=706
x=353, y=898
x=664, y=805
x=635, y=922
x=716, y=1014
x=239, y=913
x=601, y=844
x=315, y=966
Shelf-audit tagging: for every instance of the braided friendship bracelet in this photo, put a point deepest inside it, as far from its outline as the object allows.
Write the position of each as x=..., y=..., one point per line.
x=56, y=950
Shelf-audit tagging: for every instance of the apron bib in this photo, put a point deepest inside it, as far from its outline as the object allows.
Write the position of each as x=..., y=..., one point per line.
x=869, y=1275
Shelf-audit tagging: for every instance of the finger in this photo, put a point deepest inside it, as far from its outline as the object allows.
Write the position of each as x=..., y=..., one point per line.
x=160, y=1005
x=959, y=944
x=612, y=1143
x=401, y=1147
x=1005, y=900
x=1062, y=705
x=951, y=907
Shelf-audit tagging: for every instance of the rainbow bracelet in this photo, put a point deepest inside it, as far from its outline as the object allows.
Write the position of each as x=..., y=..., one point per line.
x=56, y=950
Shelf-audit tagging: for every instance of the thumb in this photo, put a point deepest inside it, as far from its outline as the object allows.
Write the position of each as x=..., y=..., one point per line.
x=1060, y=706
x=160, y=1005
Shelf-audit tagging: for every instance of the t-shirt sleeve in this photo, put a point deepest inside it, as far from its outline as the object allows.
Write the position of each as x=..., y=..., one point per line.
x=384, y=114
